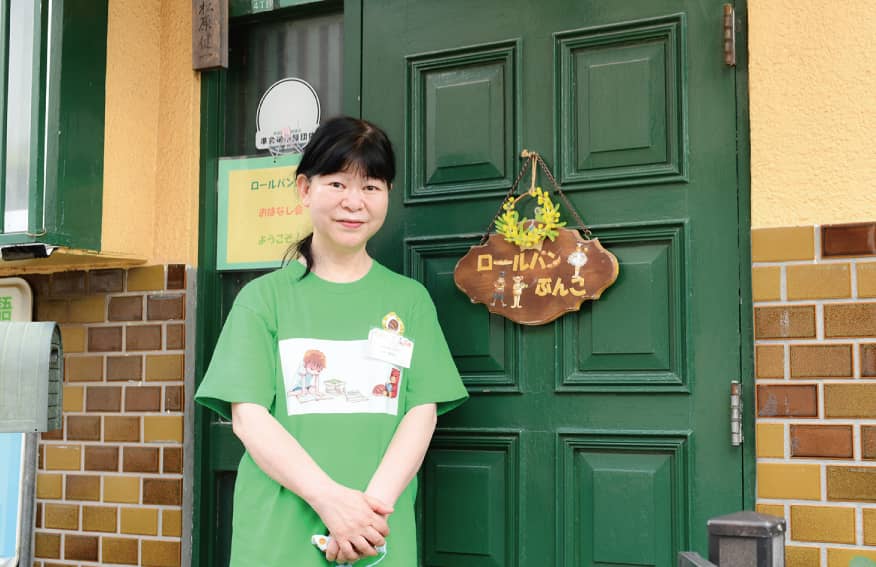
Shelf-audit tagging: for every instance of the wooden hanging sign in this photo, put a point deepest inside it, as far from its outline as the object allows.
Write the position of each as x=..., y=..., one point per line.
x=534, y=287
x=534, y=271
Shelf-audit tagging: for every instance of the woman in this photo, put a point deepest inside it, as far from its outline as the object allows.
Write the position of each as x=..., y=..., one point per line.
x=303, y=366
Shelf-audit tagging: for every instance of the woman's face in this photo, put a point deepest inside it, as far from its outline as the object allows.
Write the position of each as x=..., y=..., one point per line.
x=346, y=208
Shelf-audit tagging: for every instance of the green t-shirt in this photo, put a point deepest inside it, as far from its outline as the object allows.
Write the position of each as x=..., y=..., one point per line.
x=301, y=349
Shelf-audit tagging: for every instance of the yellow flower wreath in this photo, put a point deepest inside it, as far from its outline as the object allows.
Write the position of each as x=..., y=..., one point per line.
x=527, y=233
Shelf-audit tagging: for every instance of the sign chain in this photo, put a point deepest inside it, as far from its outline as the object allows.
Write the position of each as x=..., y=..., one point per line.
x=587, y=234
x=511, y=192
x=531, y=158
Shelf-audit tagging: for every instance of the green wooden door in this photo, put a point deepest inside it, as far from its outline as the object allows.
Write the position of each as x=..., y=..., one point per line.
x=603, y=438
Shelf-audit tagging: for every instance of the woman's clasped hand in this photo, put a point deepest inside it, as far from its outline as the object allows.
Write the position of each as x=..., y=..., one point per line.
x=356, y=522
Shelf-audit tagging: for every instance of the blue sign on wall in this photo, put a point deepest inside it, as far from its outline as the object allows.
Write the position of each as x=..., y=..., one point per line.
x=11, y=476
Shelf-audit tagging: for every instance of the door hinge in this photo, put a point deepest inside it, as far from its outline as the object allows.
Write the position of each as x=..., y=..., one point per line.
x=729, y=35
x=736, y=438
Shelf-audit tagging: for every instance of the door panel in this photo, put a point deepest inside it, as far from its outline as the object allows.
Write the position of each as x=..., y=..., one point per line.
x=462, y=122
x=603, y=437
x=621, y=102
x=485, y=347
x=623, y=498
x=604, y=347
x=482, y=469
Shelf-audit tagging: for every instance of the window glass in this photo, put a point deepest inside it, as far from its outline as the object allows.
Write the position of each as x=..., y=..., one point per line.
x=20, y=101
x=261, y=54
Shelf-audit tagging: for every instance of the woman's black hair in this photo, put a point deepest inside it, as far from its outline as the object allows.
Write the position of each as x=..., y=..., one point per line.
x=343, y=143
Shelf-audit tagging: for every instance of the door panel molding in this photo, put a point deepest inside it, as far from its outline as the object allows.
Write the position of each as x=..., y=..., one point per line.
x=463, y=121
x=482, y=469
x=621, y=496
x=633, y=339
x=487, y=348
x=743, y=193
x=621, y=108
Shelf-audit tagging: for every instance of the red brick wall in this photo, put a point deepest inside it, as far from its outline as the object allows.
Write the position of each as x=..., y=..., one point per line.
x=815, y=350
x=109, y=485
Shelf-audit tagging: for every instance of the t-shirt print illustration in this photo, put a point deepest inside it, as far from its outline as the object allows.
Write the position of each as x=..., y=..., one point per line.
x=322, y=376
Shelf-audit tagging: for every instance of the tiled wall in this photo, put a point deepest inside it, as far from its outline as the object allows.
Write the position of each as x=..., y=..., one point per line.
x=815, y=349
x=109, y=485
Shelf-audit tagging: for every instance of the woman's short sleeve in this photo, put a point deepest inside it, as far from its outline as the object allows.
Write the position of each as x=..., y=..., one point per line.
x=432, y=377
x=243, y=366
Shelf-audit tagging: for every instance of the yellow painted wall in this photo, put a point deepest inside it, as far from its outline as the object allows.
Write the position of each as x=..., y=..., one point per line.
x=813, y=115
x=130, y=148
x=811, y=79
x=152, y=133
x=176, y=224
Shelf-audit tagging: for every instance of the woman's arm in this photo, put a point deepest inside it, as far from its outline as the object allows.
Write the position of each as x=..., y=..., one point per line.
x=356, y=521
x=401, y=461
x=405, y=454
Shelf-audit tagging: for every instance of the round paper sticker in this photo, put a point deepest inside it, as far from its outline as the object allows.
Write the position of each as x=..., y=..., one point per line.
x=288, y=114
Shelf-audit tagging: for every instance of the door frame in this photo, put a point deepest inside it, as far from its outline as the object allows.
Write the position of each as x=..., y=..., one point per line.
x=746, y=309
x=208, y=319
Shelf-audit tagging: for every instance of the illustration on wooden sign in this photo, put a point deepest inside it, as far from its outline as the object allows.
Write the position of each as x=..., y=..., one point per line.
x=534, y=271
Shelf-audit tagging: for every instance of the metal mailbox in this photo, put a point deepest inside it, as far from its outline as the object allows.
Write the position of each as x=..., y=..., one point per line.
x=31, y=377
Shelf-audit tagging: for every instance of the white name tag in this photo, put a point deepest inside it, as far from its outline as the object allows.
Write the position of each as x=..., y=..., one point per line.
x=390, y=347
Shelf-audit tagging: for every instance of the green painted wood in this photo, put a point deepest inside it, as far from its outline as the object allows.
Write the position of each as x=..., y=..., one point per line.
x=605, y=348
x=452, y=89
x=74, y=181
x=67, y=93
x=224, y=511
x=221, y=436
x=481, y=469
x=228, y=109
x=743, y=168
x=622, y=119
x=29, y=238
x=208, y=323
x=624, y=498
x=487, y=347
x=352, y=80
x=649, y=365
